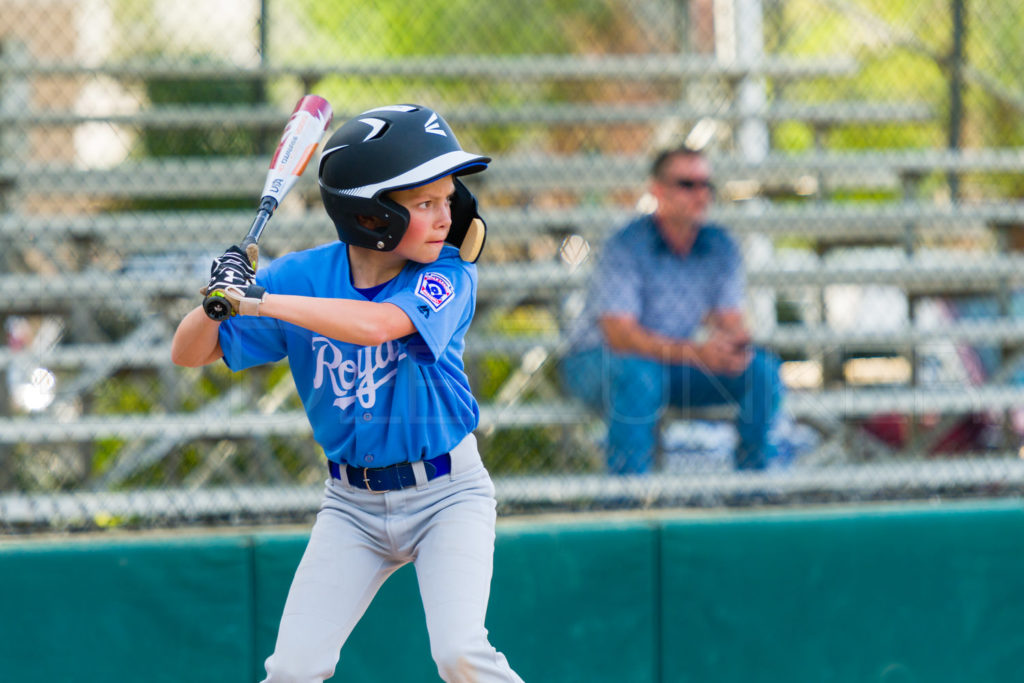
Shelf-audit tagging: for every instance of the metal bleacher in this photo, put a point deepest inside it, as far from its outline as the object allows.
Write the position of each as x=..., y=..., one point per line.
x=136, y=272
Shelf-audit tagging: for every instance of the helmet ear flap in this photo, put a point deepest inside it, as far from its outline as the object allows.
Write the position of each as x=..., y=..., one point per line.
x=396, y=222
x=468, y=230
x=345, y=212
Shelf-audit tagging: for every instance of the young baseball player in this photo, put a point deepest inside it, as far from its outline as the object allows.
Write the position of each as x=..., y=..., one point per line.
x=373, y=328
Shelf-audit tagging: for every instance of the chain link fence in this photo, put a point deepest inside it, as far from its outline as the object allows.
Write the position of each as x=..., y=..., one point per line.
x=867, y=153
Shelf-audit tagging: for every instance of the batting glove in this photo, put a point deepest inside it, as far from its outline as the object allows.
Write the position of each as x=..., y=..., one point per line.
x=231, y=269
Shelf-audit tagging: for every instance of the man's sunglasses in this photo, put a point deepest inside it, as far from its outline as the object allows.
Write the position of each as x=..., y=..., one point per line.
x=690, y=183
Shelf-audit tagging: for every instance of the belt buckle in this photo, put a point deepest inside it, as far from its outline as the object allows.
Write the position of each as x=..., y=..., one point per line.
x=366, y=480
x=366, y=483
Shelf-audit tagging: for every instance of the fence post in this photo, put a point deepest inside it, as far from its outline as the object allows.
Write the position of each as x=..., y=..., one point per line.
x=14, y=95
x=956, y=87
x=744, y=39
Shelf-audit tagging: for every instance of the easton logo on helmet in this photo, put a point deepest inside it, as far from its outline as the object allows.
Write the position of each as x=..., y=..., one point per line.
x=432, y=126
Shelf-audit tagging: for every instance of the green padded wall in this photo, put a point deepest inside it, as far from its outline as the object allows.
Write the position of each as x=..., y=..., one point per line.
x=577, y=601
x=907, y=594
x=892, y=595
x=152, y=610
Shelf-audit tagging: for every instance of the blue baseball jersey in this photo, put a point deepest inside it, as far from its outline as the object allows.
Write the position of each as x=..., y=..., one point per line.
x=638, y=275
x=402, y=401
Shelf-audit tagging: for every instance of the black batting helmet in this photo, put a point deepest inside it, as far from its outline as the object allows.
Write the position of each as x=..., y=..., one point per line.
x=393, y=148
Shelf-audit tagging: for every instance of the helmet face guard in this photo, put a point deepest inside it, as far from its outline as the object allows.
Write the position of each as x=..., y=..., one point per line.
x=395, y=148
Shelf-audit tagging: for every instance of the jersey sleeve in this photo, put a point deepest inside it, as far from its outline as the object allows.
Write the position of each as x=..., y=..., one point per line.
x=440, y=299
x=247, y=341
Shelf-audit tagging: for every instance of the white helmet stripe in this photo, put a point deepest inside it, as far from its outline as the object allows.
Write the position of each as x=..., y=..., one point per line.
x=375, y=127
x=404, y=108
x=431, y=170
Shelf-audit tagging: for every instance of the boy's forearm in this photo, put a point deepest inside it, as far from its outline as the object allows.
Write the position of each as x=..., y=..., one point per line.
x=366, y=323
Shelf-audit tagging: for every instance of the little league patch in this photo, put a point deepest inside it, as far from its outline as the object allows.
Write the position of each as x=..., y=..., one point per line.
x=435, y=289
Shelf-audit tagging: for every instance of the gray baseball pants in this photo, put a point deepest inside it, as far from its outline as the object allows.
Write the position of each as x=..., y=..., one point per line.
x=445, y=527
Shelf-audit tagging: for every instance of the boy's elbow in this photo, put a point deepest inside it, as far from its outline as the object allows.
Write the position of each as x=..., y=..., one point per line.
x=375, y=334
x=182, y=359
x=196, y=341
x=388, y=323
x=186, y=356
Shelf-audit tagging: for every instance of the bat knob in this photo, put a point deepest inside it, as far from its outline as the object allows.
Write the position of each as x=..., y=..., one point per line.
x=217, y=307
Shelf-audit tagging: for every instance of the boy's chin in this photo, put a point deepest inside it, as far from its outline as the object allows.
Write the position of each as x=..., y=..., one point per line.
x=430, y=253
x=425, y=257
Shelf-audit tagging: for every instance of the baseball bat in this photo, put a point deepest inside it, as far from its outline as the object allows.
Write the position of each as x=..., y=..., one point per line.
x=306, y=126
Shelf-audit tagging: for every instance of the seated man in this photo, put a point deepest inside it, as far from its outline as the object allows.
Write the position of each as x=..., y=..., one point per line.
x=663, y=324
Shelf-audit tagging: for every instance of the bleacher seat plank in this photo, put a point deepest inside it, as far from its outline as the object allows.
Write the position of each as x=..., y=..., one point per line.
x=786, y=337
x=134, y=232
x=848, y=403
x=917, y=274
x=241, y=176
x=644, y=67
x=546, y=114
x=548, y=280
x=857, y=481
